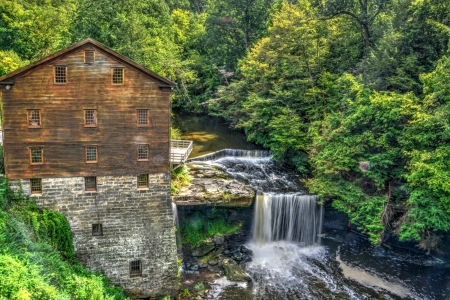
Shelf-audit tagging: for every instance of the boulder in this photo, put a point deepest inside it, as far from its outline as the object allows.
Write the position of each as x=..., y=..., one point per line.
x=213, y=262
x=204, y=249
x=234, y=272
x=237, y=255
x=218, y=240
x=214, y=269
x=194, y=267
x=246, y=250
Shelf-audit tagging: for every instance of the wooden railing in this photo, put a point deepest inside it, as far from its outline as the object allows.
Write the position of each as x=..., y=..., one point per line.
x=180, y=151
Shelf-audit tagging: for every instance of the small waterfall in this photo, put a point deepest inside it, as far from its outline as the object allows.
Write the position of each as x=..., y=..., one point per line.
x=287, y=217
x=176, y=224
x=231, y=153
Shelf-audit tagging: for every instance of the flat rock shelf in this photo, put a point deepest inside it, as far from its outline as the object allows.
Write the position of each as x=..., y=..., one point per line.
x=212, y=186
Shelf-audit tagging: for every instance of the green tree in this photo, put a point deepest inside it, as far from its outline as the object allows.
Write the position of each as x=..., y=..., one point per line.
x=35, y=29
x=428, y=148
x=364, y=12
x=9, y=61
x=357, y=154
x=281, y=79
x=233, y=26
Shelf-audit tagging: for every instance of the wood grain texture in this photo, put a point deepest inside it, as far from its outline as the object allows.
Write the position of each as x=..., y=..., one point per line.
x=63, y=135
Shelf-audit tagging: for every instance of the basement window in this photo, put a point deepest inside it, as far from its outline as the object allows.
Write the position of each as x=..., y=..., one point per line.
x=60, y=74
x=142, y=181
x=142, y=152
x=91, y=154
x=36, y=186
x=90, y=118
x=97, y=229
x=117, y=75
x=135, y=268
x=89, y=56
x=36, y=156
x=143, y=117
x=34, y=118
x=90, y=183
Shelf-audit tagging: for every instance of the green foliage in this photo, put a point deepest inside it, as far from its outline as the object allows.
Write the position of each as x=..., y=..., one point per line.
x=428, y=152
x=2, y=161
x=370, y=130
x=199, y=287
x=282, y=88
x=198, y=228
x=37, y=260
x=34, y=29
x=179, y=178
x=185, y=293
x=9, y=61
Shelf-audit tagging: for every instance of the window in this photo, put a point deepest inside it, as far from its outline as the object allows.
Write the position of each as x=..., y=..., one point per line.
x=135, y=268
x=117, y=76
x=90, y=118
x=36, y=186
x=143, y=117
x=89, y=56
x=97, y=229
x=142, y=181
x=91, y=154
x=34, y=118
x=60, y=74
x=90, y=183
x=142, y=152
x=36, y=156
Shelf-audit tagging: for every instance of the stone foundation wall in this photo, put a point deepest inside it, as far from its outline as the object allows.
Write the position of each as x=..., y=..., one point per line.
x=137, y=225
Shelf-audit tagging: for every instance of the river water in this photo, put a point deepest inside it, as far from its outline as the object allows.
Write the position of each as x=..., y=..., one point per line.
x=303, y=251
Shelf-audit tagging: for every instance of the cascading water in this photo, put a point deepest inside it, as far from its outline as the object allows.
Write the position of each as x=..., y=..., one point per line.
x=288, y=262
x=288, y=217
x=232, y=153
x=176, y=224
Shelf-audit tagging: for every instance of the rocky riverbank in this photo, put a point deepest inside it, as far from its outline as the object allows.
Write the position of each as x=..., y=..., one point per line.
x=212, y=186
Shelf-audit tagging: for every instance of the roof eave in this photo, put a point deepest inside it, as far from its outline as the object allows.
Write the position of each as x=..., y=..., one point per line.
x=79, y=44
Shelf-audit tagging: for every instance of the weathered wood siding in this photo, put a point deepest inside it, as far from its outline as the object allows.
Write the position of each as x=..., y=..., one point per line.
x=63, y=135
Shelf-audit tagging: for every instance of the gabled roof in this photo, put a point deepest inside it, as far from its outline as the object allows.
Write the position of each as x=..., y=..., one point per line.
x=163, y=81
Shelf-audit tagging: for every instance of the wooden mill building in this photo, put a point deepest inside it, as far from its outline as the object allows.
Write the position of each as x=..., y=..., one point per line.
x=86, y=132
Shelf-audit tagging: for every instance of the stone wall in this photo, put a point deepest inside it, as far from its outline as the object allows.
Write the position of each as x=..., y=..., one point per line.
x=137, y=225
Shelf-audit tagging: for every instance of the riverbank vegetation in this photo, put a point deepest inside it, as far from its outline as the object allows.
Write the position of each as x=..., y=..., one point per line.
x=198, y=228
x=353, y=94
x=37, y=259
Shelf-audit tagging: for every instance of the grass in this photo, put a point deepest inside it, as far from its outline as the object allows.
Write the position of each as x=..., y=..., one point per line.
x=37, y=259
x=199, y=227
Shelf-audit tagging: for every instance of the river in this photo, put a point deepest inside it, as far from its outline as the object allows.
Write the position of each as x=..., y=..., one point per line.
x=301, y=250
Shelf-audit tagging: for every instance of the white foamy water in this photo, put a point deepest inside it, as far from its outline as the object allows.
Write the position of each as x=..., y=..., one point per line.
x=286, y=268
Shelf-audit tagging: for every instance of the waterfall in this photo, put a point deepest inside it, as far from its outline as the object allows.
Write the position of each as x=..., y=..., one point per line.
x=232, y=153
x=176, y=224
x=287, y=217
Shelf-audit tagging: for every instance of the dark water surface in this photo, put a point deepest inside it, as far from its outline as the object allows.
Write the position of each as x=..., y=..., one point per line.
x=344, y=266
x=210, y=134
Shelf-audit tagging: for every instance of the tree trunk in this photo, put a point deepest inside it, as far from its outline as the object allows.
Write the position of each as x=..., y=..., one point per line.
x=366, y=35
